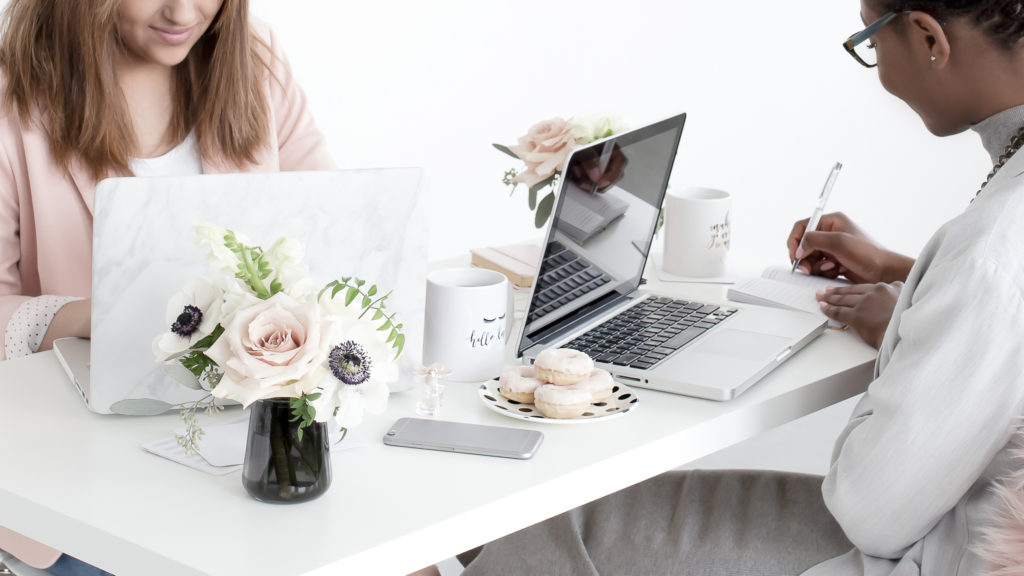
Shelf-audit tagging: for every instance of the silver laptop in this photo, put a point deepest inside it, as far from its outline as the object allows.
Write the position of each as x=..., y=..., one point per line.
x=587, y=290
x=364, y=223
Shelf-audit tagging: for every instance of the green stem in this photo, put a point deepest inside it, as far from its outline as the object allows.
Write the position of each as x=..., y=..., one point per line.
x=252, y=276
x=281, y=466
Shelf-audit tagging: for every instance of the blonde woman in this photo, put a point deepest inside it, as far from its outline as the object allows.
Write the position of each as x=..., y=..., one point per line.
x=98, y=88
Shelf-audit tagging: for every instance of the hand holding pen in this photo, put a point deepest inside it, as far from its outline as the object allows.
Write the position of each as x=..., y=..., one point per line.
x=840, y=247
x=815, y=219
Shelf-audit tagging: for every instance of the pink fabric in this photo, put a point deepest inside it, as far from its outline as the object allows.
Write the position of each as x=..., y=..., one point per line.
x=1003, y=548
x=46, y=215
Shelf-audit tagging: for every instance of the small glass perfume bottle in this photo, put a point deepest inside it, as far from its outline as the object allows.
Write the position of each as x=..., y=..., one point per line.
x=431, y=389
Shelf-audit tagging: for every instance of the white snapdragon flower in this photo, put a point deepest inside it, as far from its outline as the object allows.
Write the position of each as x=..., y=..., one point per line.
x=590, y=127
x=211, y=237
x=285, y=258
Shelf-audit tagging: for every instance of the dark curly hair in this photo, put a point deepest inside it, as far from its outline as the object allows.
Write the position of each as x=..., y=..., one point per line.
x=1002, y=20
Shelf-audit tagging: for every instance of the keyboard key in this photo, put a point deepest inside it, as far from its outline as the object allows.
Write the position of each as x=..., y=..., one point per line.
x=642, y=364
x=626, y=359
x=684, y=337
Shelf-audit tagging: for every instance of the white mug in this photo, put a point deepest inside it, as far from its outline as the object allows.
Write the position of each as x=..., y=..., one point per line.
x=697, y=232
x=466, y=322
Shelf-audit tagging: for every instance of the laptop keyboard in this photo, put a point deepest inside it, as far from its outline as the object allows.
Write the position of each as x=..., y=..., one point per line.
x=563, y=277
x=649, y=332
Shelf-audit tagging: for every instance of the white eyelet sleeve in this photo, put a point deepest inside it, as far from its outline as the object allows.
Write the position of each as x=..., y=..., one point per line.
x=28, y=324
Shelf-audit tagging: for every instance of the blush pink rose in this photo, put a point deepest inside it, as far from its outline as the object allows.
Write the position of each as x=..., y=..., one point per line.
x=267, y=349
x=544, y=149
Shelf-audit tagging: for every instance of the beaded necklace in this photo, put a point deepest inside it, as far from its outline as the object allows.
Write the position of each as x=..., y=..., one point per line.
x=1011, y=149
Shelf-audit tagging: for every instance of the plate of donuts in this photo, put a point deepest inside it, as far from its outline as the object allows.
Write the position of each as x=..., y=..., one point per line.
x=562, y=386
x=622, y=401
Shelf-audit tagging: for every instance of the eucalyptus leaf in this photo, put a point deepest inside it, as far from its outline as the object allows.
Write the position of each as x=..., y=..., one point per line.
x=544, y=210
x=182, y=375
x=351, y=295
x=140, y=407
x=532, y=197
x=543, y=183
x=506, y=150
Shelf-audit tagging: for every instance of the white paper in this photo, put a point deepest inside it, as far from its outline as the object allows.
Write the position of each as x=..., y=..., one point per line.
x=780, y=288
x=222, y=449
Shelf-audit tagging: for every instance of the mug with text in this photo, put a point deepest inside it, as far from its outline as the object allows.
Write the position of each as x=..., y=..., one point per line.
x=466, y=322
x=697, y=231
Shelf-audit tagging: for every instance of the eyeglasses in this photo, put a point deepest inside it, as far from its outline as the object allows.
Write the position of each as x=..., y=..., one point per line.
x=865, y=53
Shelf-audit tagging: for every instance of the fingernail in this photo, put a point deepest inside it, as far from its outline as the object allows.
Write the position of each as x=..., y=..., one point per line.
x=819, y=294
x=828, y=266
x=805, y=267
x=843, y=269
x=822, y=305
x=799, y=252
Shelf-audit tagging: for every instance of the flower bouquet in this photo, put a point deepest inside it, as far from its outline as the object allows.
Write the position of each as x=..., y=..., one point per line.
x=260, y=331
x=544, y=149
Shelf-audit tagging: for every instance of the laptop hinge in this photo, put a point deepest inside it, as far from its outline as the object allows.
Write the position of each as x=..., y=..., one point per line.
x=608, y=303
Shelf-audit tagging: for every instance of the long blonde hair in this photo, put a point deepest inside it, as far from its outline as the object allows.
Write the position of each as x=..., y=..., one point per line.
x=58, y=56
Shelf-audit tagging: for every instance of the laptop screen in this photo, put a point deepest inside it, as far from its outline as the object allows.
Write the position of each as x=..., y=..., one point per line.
x=607, y=207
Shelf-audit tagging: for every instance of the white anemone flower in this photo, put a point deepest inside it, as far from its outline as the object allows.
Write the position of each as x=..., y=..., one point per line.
x=360, y=367
x=192, y=314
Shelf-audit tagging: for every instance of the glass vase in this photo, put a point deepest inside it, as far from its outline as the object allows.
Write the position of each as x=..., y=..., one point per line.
x=280, y=467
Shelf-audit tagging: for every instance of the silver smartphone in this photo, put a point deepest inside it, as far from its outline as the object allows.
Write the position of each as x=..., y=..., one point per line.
x=465, y=438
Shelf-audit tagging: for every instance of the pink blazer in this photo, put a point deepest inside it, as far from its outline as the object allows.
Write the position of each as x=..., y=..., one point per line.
x=46, y=215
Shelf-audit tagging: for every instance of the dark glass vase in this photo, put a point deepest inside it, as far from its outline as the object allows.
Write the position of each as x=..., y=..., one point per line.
x=279, y=467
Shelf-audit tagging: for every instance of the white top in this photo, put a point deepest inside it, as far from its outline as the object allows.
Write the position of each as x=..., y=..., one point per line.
x=182, y=160
x=911, y=475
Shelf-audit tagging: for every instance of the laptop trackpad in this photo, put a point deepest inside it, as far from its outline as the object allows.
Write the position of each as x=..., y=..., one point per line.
x=744, y=345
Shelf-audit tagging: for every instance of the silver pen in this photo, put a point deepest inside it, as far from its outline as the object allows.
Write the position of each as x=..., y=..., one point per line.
x=812, y=225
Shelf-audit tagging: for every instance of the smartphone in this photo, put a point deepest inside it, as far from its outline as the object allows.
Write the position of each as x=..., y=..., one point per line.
x=465, y=438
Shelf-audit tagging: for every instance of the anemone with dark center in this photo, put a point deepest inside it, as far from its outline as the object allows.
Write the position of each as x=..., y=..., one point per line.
x=188, y=321
x=350, y=363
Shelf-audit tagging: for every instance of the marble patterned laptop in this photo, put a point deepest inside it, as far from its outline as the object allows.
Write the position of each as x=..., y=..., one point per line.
x=364, y=223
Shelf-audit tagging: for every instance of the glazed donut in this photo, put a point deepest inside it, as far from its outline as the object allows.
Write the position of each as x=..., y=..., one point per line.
x=518, y=384
x=556, y=401
x=563, y=366
x=599, y=384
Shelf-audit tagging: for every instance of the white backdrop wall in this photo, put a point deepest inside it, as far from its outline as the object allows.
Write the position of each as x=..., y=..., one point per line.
x=772, y=97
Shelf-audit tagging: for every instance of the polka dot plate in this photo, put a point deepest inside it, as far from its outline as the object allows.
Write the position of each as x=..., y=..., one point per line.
x=622, y=401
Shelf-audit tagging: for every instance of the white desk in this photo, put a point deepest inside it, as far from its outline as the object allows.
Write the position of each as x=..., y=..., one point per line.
x=81, y=483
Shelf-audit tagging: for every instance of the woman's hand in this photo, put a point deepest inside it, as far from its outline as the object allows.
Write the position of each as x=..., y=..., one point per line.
x=864, y=308
x=839, y=247
x=73, y=319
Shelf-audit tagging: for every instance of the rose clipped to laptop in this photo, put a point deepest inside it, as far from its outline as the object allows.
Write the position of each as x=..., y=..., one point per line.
x=261, y=333
x=544, y=149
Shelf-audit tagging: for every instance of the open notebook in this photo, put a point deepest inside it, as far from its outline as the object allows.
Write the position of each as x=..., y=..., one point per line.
x=780, y=288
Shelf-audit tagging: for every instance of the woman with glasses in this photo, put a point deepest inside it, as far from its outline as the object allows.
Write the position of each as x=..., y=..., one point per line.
x=910, y=489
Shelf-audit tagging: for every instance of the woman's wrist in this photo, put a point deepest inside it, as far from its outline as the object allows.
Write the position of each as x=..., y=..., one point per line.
x=897, y=268
x=73, y=319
